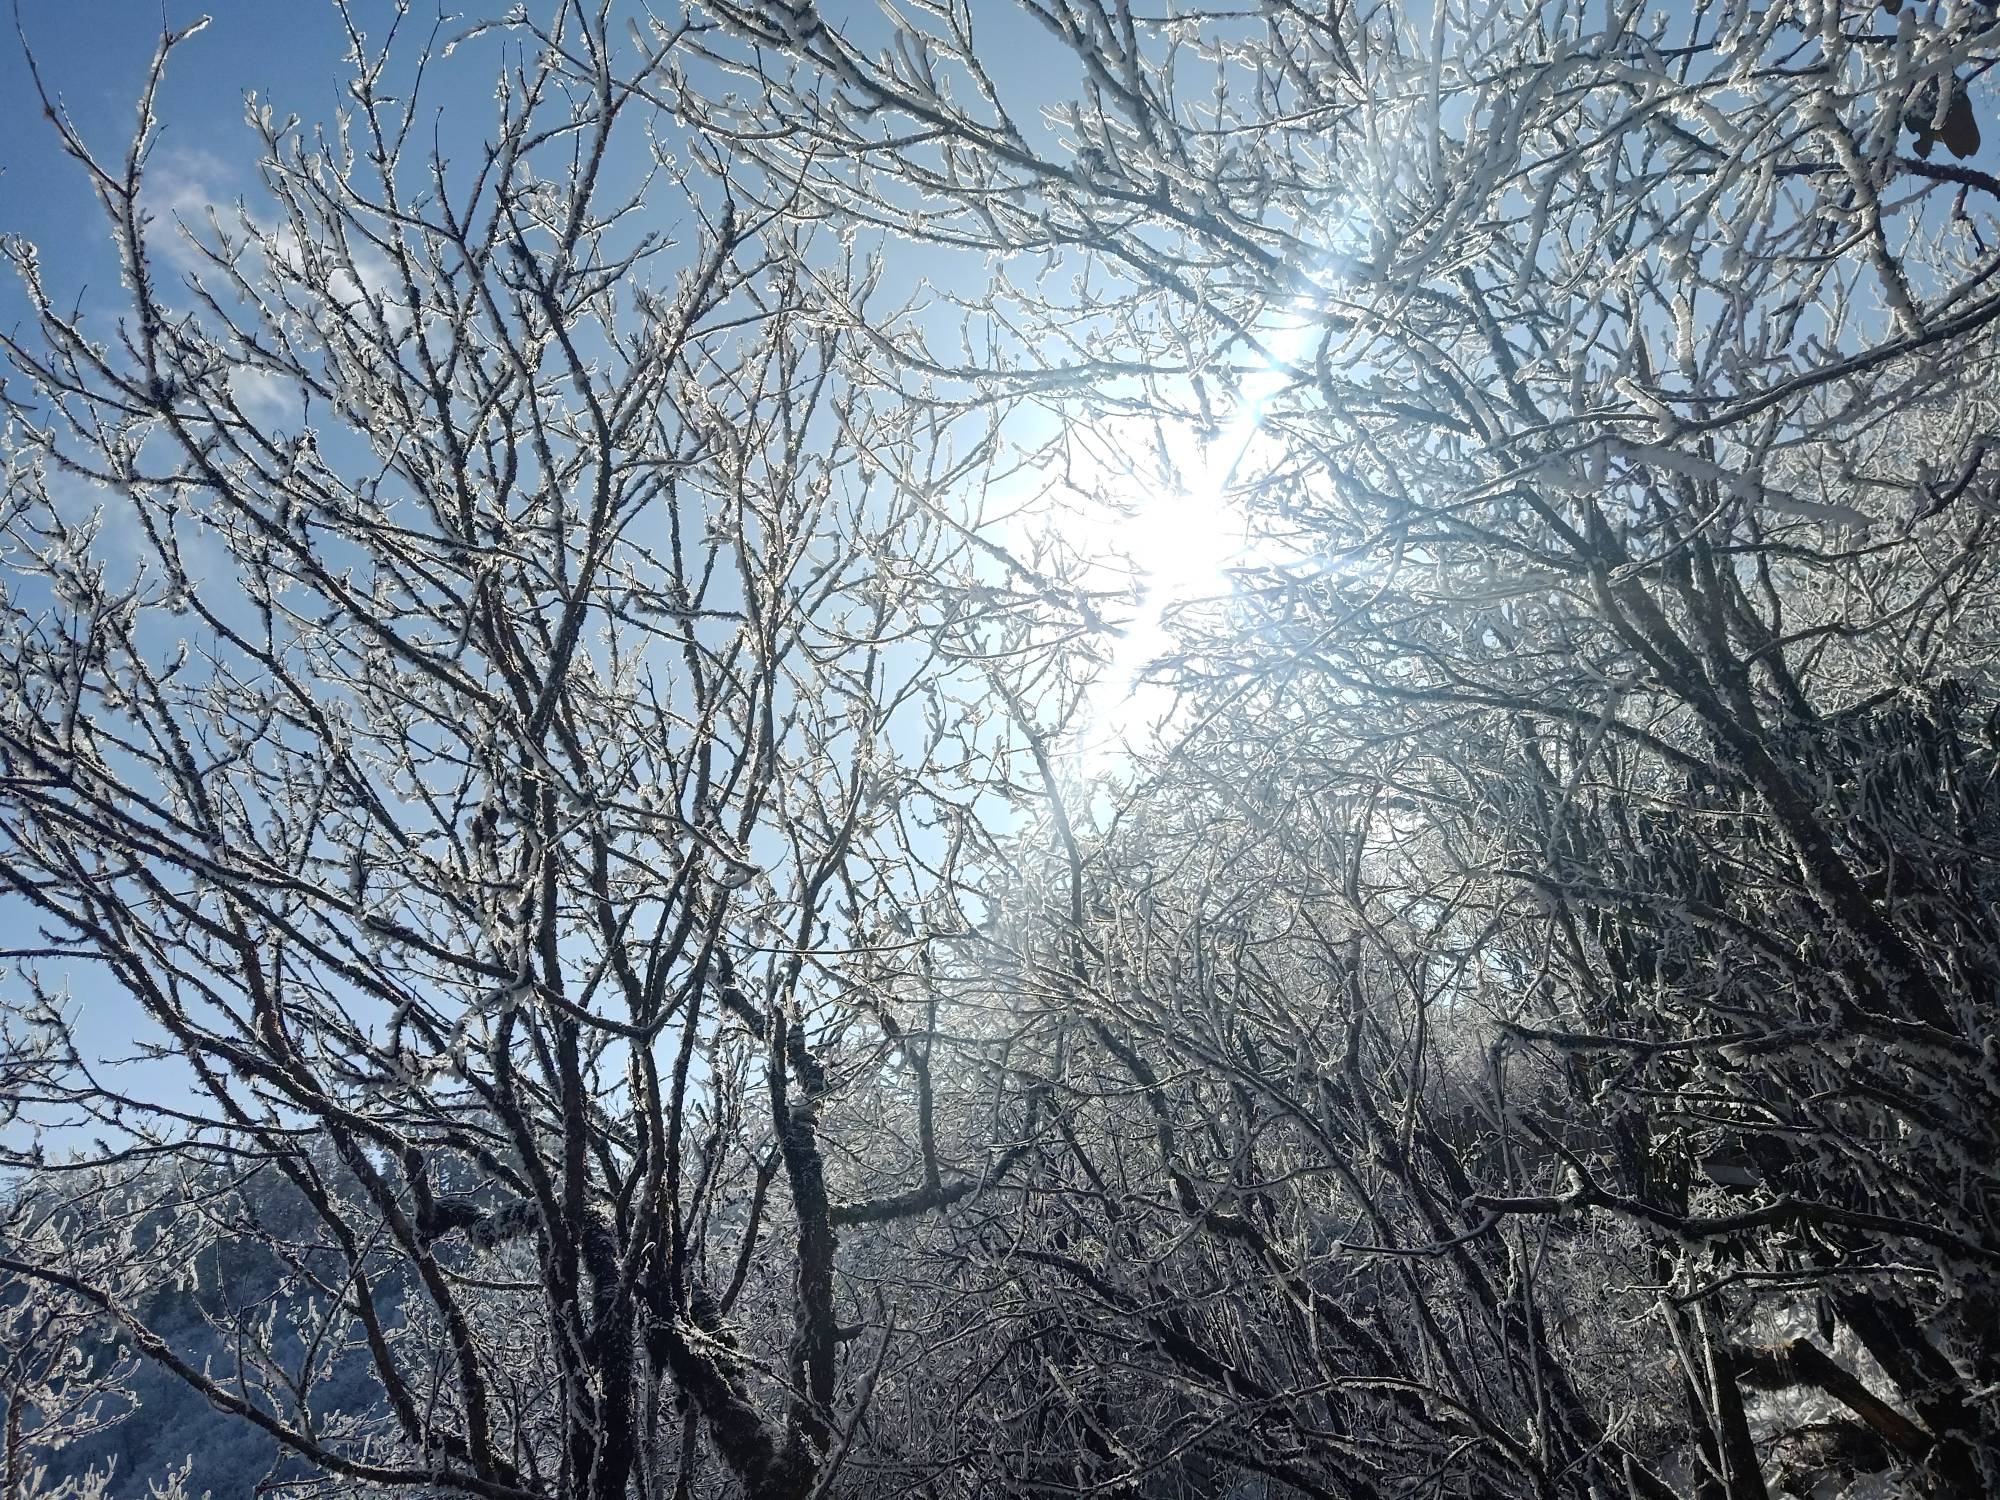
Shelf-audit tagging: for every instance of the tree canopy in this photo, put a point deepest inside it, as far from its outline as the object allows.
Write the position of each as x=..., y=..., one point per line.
x=548, y=679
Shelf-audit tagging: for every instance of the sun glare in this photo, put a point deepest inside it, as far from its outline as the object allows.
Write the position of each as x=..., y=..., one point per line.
x=1182, y=531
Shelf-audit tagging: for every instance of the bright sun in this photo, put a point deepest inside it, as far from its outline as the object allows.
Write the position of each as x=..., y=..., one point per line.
x=1184, y=531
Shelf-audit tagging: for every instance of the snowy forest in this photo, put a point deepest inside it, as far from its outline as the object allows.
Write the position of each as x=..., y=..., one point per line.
x=1149, y=749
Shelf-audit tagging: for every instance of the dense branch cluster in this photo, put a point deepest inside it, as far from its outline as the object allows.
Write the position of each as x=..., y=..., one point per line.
x=546, y=674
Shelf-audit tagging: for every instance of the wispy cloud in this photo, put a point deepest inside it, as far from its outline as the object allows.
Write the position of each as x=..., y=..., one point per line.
x=182, y=184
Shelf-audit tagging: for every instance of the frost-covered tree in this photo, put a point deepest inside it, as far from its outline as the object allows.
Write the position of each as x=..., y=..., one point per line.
x=61, y=1381
x=1621, y=605
x=518, y=646
x=498, y=705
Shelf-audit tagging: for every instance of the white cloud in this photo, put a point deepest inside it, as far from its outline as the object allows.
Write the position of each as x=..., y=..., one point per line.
x=181, y=185
x=262, y=395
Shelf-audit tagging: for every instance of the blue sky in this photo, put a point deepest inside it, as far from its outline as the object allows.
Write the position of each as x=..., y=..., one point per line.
x=93, y=60
x=94, y=57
